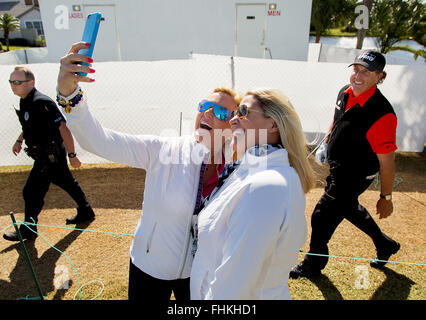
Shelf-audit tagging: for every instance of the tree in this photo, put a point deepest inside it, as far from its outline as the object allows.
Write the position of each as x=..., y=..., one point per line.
x=396, y=20
x=327, y=13
x=8, y=24
x=416, y=53
x=418, y=29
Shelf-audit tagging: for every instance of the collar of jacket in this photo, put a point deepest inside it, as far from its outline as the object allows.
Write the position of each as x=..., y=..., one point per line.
x=279, y=156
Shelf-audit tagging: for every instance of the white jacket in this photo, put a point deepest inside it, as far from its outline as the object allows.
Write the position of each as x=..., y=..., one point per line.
x=250, y=232
x=161, y=243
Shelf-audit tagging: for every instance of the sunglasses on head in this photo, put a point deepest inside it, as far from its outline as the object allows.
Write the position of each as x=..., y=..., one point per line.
x=17, y=82
x=220, y=112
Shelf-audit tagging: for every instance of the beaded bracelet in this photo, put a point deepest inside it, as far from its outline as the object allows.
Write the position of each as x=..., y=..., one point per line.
x=71, y=101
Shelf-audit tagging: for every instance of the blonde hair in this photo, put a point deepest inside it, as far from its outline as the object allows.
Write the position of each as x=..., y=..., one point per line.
x=235, y=95
x=278, y=107
x=29, y=75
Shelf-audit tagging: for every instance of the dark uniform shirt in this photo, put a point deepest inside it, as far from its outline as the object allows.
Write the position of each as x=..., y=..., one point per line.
x=40, y=119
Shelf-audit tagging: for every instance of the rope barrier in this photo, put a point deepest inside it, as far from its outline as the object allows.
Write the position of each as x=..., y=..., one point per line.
x=80, y=287
x=396, y=182
x=10, y=225
x=365, y=259
x=127, y=234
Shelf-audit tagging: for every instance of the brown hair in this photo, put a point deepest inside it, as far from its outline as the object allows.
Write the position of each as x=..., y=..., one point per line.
x=384, y=74
x=29, y=75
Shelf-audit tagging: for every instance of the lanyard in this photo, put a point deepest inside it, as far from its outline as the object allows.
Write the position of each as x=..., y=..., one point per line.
x=198, y=200
x=197, y=209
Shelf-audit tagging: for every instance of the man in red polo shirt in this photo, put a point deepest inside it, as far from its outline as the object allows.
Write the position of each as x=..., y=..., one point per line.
x=360, y=143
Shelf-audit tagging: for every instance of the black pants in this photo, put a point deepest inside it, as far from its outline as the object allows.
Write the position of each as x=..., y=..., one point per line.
x=41, y=176
x=143, y=287
x=340, y=201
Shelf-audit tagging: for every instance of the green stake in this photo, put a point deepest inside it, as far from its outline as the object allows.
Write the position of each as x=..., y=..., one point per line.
x=27, y=257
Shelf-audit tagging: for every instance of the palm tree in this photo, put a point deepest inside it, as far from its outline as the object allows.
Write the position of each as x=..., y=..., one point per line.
x=396, y=20
x=8, y=23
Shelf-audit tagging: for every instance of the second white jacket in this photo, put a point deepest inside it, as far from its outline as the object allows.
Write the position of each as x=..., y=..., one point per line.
x=250, y=232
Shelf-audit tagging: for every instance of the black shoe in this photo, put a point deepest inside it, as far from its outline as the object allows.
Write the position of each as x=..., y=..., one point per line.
x=83, y=215
x=25, y=234
x=384, y=254
x=303, y=270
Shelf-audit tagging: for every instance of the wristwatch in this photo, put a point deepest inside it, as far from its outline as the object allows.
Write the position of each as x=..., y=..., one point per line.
x=72, y=155
x=386, y=197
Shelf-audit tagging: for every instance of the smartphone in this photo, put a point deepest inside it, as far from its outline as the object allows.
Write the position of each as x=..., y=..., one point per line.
x=89, y=35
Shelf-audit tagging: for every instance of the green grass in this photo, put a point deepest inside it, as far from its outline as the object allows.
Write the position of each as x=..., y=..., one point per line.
x=11, y=48
x=115, y=192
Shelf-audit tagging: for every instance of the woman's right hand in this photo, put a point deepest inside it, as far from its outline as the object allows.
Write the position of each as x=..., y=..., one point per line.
x=17, y=147
x=68, y=78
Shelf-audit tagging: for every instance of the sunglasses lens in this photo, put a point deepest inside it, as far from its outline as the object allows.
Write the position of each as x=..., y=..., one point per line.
x=220, y=112
x=204, y=105
x=242, y=110
x=15, y=82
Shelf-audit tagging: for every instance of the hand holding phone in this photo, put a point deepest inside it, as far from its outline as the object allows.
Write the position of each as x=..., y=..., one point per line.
x=89, y=36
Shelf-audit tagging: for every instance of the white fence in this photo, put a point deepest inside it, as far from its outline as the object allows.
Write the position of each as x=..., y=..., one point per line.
x=161, y=97
x=24, y=56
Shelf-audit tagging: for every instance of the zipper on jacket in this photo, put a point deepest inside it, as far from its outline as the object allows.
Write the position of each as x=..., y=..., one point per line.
x=185, y=252
x=188, y=238
x=148, y=244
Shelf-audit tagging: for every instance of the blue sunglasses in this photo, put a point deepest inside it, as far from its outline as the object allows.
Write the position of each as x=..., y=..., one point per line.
x=220, y=112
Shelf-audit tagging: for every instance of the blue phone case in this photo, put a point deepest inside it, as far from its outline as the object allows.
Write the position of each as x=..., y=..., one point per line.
x=89, y=35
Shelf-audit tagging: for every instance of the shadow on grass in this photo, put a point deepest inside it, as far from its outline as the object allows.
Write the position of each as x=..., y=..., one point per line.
x=327, y=288
x=395, y=287
x=22, y=284
x=107, y=188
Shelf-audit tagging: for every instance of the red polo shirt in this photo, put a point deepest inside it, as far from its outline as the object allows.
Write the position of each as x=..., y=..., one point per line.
x=382, y=134
x=212, y=183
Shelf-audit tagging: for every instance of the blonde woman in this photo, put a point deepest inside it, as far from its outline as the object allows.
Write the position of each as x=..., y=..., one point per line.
x=253, y=223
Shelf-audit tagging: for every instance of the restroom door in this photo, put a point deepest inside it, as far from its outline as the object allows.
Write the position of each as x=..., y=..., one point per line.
x=250, y=30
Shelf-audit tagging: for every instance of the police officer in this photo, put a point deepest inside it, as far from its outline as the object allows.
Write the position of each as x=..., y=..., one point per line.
x=48, y=140
x=361, y=142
